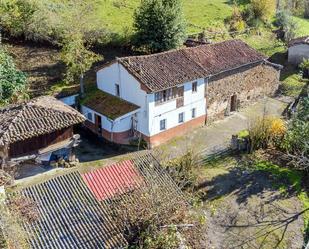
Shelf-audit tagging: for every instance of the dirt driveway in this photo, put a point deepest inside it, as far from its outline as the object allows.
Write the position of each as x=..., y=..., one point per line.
x=247, y=209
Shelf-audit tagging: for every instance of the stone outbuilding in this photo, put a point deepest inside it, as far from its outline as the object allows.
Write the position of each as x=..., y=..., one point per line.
x=298, y=50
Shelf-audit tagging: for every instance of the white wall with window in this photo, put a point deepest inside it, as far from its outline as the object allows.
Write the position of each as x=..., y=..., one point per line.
x=115, y=79
x=120, y=124
x=154, y=106
x=161, y=108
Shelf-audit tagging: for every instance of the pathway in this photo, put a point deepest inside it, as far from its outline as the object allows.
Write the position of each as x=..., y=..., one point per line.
x=217, y=136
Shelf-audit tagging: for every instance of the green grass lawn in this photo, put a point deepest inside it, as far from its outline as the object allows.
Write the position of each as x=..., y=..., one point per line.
x=303, y=26
x=117, y=15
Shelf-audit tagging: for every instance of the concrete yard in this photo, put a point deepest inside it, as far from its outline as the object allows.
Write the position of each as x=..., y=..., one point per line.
x=217, y=135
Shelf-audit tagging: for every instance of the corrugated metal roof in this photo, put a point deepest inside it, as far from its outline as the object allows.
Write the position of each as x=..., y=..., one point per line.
x=113, y=180
x=70, y=213
x=70, y=217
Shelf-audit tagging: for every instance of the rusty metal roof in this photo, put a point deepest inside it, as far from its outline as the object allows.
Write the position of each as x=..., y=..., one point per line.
x=113, y=180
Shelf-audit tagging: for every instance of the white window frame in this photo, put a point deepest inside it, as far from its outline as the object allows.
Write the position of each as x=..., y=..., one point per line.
x=194, y=89
x=193, y=111
x=90, y=116
x=163, y=127
x=182, y=119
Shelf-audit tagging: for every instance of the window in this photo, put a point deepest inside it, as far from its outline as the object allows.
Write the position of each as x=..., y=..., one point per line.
x=194, y=87
x=181, y=117
x=163, y=124
x=117, y=90
x=193, y=113
x=89, y=116
x=165, y=95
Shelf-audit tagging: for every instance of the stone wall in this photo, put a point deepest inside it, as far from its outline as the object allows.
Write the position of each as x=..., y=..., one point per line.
x=247, y=83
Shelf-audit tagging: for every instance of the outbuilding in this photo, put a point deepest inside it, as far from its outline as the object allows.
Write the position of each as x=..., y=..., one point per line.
x=39, y=127
x=298, y=50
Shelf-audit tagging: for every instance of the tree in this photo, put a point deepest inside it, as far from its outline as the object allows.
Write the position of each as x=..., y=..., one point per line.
x=306, y=8
x=77, y=40
x=16, y=15
x=13, y=82
x=263, y=9
x=159, y=25
x=78, y=59
x=286, y=25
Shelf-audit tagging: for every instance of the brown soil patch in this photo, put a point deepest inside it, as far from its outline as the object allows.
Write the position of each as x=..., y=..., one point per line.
x=41, y=63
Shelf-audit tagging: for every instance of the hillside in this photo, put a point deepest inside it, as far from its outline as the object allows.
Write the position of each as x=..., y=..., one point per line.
x=118, y=14
x=45, y=69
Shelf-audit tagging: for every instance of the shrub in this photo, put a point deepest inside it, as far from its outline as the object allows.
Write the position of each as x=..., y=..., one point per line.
x=263, y=10
x=296, y=140
x=286, y=24
x=183, y=169
x=13, y=83
x=16, y=15
x=155, y=216
x=305, y=67
x=265, y=132
x=236, y=21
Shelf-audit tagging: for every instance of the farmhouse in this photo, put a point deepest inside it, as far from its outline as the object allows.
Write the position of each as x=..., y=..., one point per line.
x=159, y=96
x=298, y=50
x=39, y=127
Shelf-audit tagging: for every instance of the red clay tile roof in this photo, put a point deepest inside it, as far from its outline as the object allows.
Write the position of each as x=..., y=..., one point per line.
x=168, y=69
x=113, y=180
x=39, y=116
x=299, y=40
x=108, y=105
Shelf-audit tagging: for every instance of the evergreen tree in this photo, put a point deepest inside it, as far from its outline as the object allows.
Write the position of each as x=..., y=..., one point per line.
x=159, y=25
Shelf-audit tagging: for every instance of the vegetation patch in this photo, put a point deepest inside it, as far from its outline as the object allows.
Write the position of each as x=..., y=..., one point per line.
x=294, y=178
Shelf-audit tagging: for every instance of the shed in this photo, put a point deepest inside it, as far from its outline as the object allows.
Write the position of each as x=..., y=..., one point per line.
x=298, y=50
x=42, y=124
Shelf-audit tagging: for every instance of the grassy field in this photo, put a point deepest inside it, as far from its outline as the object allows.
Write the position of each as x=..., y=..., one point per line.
x=45, y=69
x=303, y=26
x=118, y=14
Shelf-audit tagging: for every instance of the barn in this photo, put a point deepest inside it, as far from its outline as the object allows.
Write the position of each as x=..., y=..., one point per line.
x=34, y=128
x=298, y=50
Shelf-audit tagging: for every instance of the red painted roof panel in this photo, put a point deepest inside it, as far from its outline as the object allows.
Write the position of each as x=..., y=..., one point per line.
x=113, y=180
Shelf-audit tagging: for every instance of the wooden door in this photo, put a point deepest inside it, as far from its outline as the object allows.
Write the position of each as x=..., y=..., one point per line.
x=234, y=103
x=180, y=97
x=98, y=123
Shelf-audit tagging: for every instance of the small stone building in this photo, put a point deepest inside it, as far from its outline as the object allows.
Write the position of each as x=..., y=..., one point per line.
x=40, y=126
x=298, y=50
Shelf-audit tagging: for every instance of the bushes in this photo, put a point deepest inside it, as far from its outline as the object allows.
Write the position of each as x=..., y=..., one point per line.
x=183, y=169
x=265, y=132
x=12, y=81
x=155, y=216
x=305, y=67
x=263, y=10
x=236, y=20
x=286, y=25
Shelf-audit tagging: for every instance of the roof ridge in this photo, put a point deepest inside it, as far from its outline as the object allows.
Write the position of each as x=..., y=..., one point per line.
x=176, y=50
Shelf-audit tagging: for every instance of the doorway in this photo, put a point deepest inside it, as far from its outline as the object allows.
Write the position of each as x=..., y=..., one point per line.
x=234, y=103
x=98, y=124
